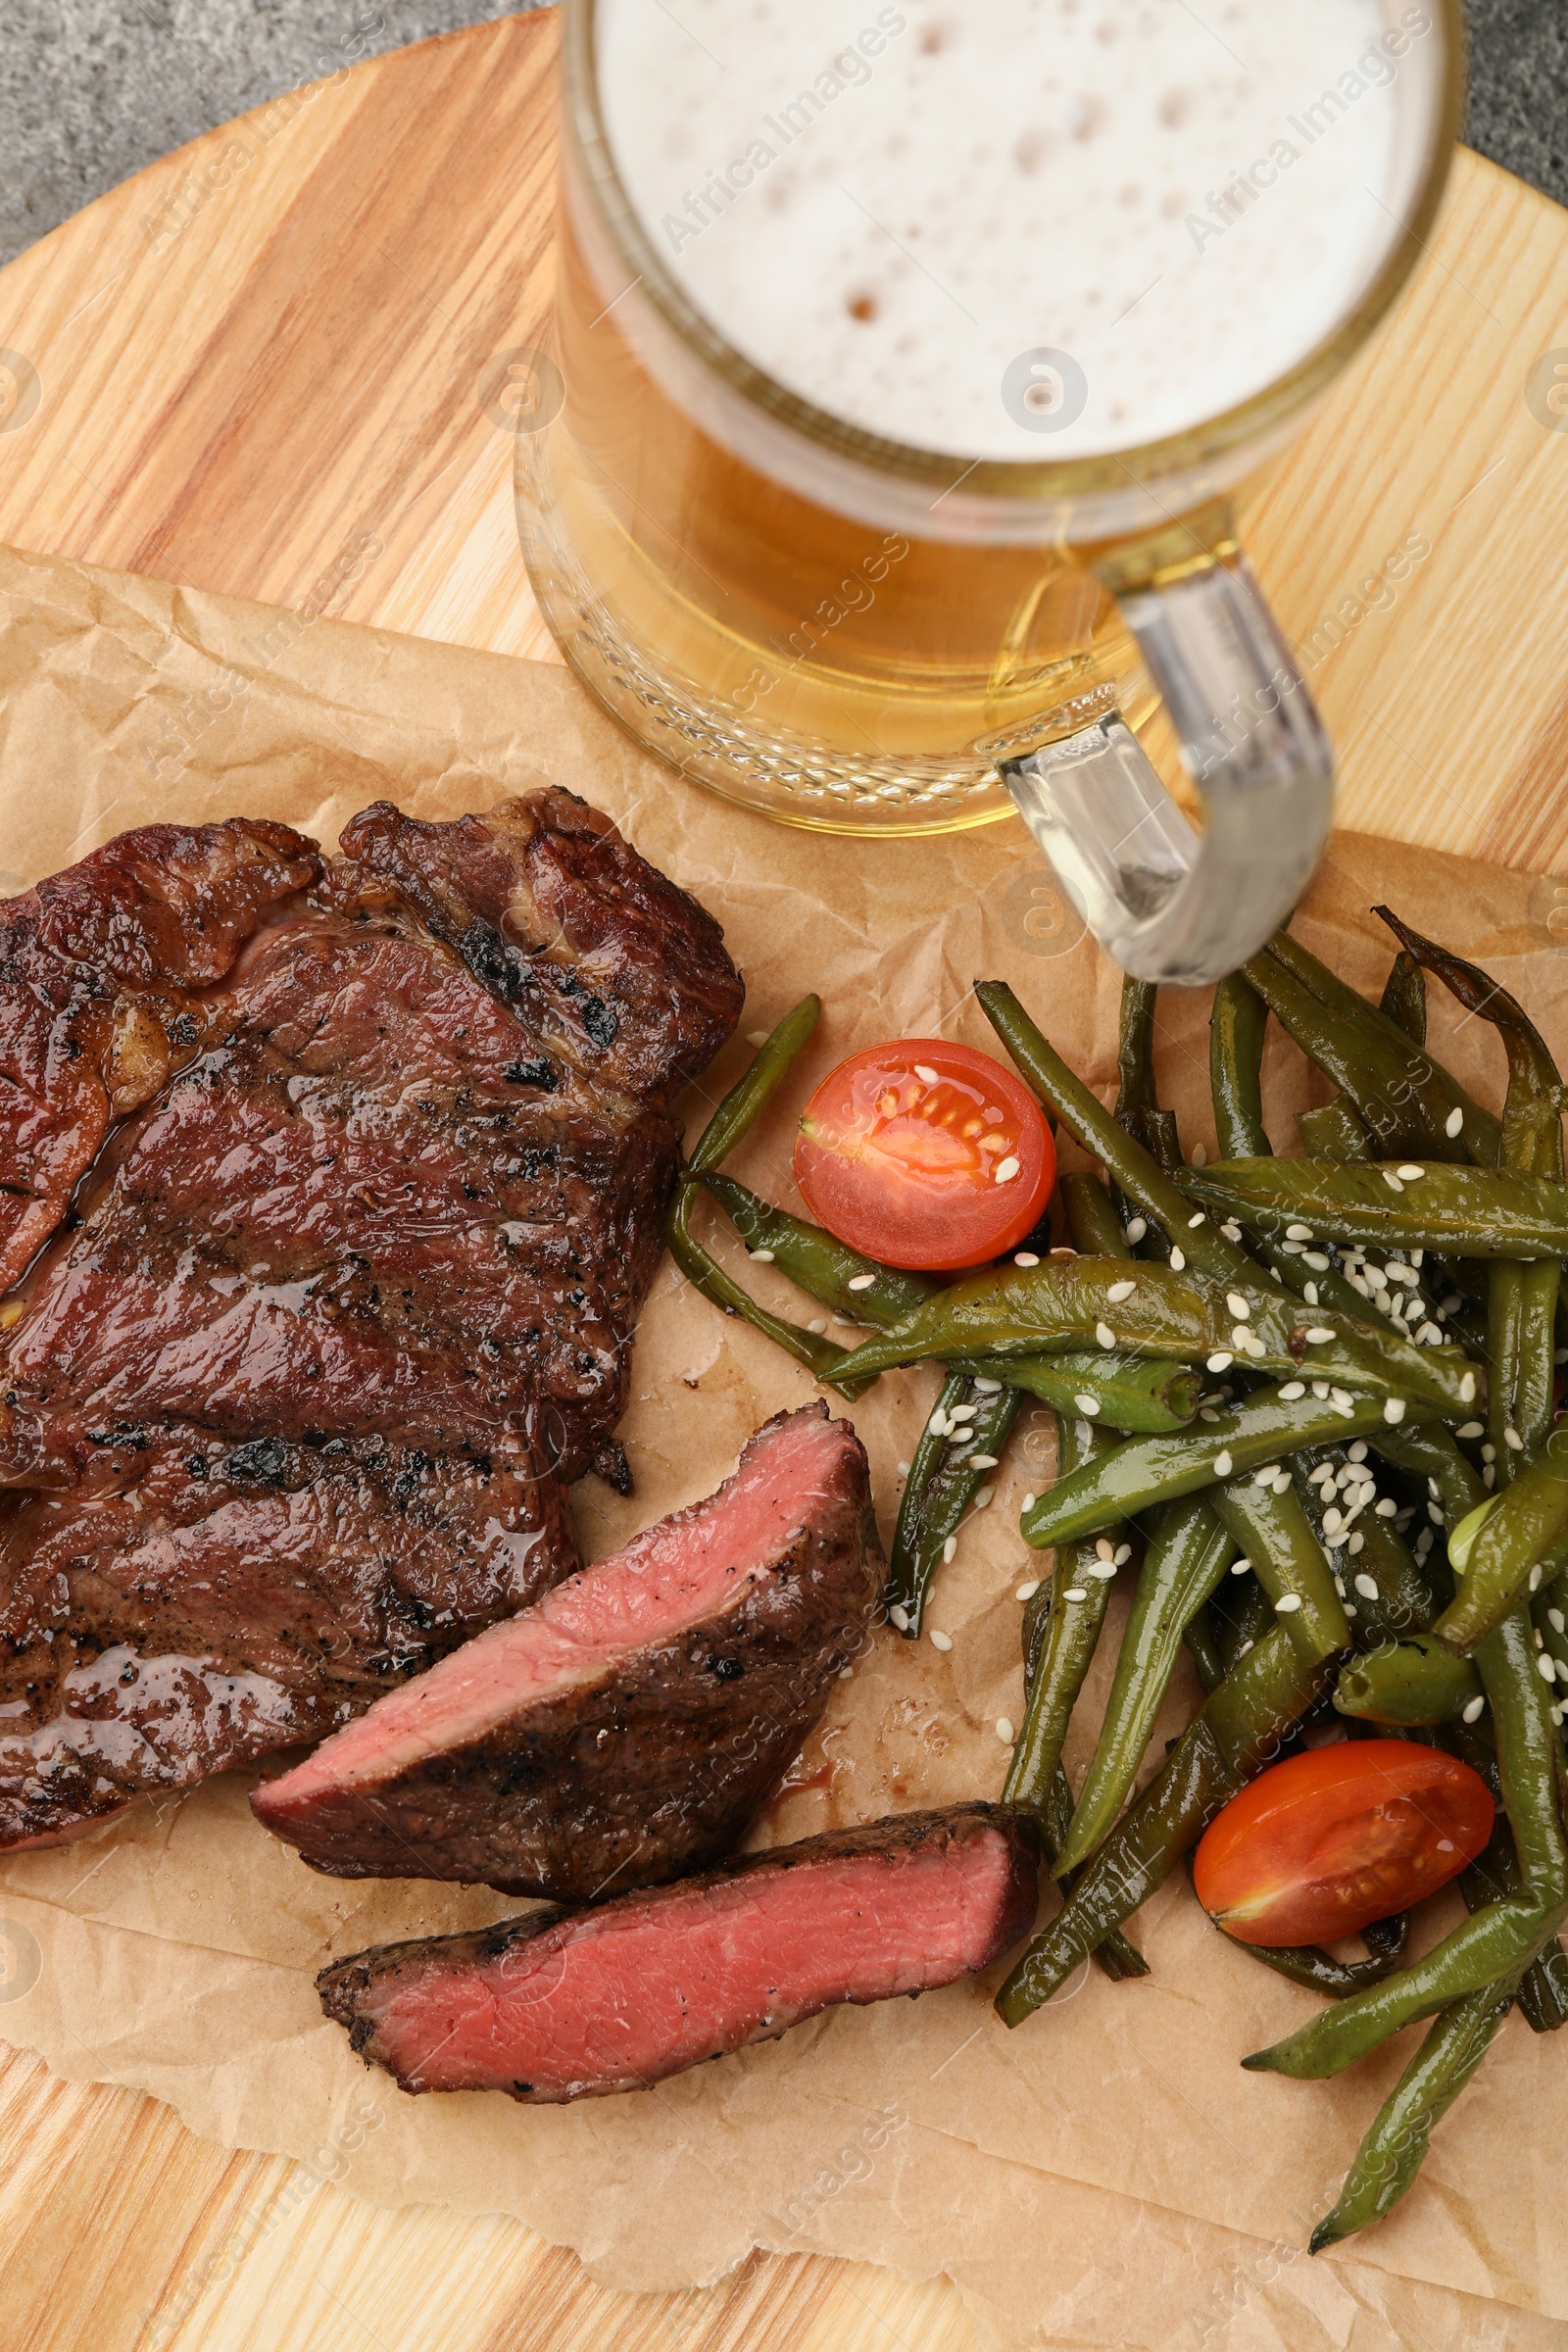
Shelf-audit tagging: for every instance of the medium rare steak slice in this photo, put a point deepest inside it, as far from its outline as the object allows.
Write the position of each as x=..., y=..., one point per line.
x=626, y=1728
x=191, y=1604
x=551, y=2008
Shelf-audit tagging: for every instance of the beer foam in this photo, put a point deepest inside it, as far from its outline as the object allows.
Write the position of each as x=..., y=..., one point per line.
x=1017, y=228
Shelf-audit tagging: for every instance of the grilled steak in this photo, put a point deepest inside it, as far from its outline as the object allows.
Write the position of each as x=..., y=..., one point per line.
x=377, y=1179
x=626, y=1728
x=551, y=2008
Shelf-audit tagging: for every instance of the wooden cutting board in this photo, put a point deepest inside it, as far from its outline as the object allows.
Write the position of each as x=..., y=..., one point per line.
x=292, y=335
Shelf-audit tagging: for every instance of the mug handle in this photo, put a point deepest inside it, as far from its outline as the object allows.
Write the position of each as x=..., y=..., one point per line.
x=1169, y=903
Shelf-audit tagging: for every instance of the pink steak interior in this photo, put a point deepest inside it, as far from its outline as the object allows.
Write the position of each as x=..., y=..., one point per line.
x=662, y=1981
x=672, y=1576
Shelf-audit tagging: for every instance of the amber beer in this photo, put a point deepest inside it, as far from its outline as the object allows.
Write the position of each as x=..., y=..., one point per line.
x=837, y=550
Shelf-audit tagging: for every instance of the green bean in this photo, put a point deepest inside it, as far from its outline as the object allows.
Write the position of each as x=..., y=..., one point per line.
x=1184, y=1560
x=1404, y=1094
x=1494, y=1873
x=1118, y=1958
x=1404, y=1000
x=1531, y=1073
x=1127, y=1392
x=1401, y=1600
x=1069, y=1303
x=1473, y=1213
x=1524, y=1523
x=1140, y=1471
x=931, y=1446
x=1430, y=1451
x=1128, y=1165
x=1235, y=1026
x=755, y=1088
x=1241, y=1615
x=1333, y=1132
x=705, y=1274
x=817, y=1262
x=1414, y=1681
x=1265, y=1693
x=1198, y=1635
x=1085, y=1571
x=1546, y=1610
x=1138, y=1113
x=1288, y=1561
x=1091, y=1220
x=1505, y=1934
x=1395, y=2148
x=946, y=1502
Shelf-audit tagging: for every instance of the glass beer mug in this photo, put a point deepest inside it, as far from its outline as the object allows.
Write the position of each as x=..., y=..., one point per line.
x=880, y=535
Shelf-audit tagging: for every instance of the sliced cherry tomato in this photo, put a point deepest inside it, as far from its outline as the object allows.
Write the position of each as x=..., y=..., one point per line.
x=925, y=1154
x=1327, y=1841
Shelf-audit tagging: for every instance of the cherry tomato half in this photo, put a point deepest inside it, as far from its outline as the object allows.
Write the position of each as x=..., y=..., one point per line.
x=1325, y=1842
x=925, y=1154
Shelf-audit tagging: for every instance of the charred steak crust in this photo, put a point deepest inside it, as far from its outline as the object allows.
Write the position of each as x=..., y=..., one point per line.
x=340, y=1204
x=468, y=1982
x=654, y=1767
x=98, y=966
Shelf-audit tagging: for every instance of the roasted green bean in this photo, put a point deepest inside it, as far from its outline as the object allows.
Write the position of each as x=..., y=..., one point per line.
x=1523, y=1524
x=1236, y=1027
x=1185, y=1554
x=1272, y=1530
x=1080, y=1590
x=1470, y=1212
x=1091, y=1220
x=1333, y=1132
x=965, y=1466
x=704, y=1273
x=1141, y=1471
x=755, y=1088
x=1413, y=1680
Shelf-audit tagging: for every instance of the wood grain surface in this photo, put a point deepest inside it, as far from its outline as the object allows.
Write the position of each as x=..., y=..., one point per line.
x=290, y=335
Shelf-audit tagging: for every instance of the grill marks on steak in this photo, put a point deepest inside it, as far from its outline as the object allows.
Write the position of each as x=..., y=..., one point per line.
x=551, y=2008
x=98, y=969
x=359, y=1193
x=190, y=1602
x=626, y=1728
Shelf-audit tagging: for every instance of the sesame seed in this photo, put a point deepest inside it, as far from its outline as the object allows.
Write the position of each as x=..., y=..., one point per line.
x=1028, y=1502
x=1332, y=1522
x=1238, y=1305
x=1104, y=1569
x=1200, y=1155
x=1286, y=1604
x=1434, y=1512
x=1206, y=1412
x=984, y=1385
x=1391, y=1180
x=1473, y=1709
x=1411, y=1174
x=1534, y=1578
x=1467, y=1389
x=899, y=1617
x=1240, y=1567
x=1298, y=1233
x=861, y=1282
x=904, y=1469
x=1027, y=1591
x=1393, y=1409
x=1320, y=1387
x=1246, y=1646
x=941, y=1641
x=1075, y=1592
x=1105, y=1549
x=1428, y=1335
x=982, y=1500
x=1231, y=1232
x=1514, y=1441
x=1004, y=1731
x=1124, y=1553
x=1025, y=1257
x=1137, y=1227
x=757, y=1037
x=1238, y=1337
x=1343, y=1398
x=1317, y=1259
x=924, y=1070
x=1220, y=1362
x=1310, y=1293
x=1488, y=1477
x=1222, y=1465
x=1356, y=1543
x=1547, y=1667
x=1119, y=1291
x=820, y=1325
x=1264, y=1477
x=1318, y=1334
x=1178, y=1261
x=1557, y=1620
x=937, y=1426
x=1470, y=1429
x=1388, y=1508
x=948, y=1550
x=1488, y=1452
x=763, y=1257
x=1087, y=1405
x=980, y=1461
x=1291, y=1249
x=1104, y=1335
x=1193, y=1223
x=1006, y=1169
x=1367, y=1586
x=961, y=1413
x=1454, y=1122
x=1292, y=1389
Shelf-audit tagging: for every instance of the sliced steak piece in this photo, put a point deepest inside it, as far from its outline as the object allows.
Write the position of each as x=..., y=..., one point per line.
x=551, y=2008
x=192, y=1603
x=98, y=966
x=627, y=1728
